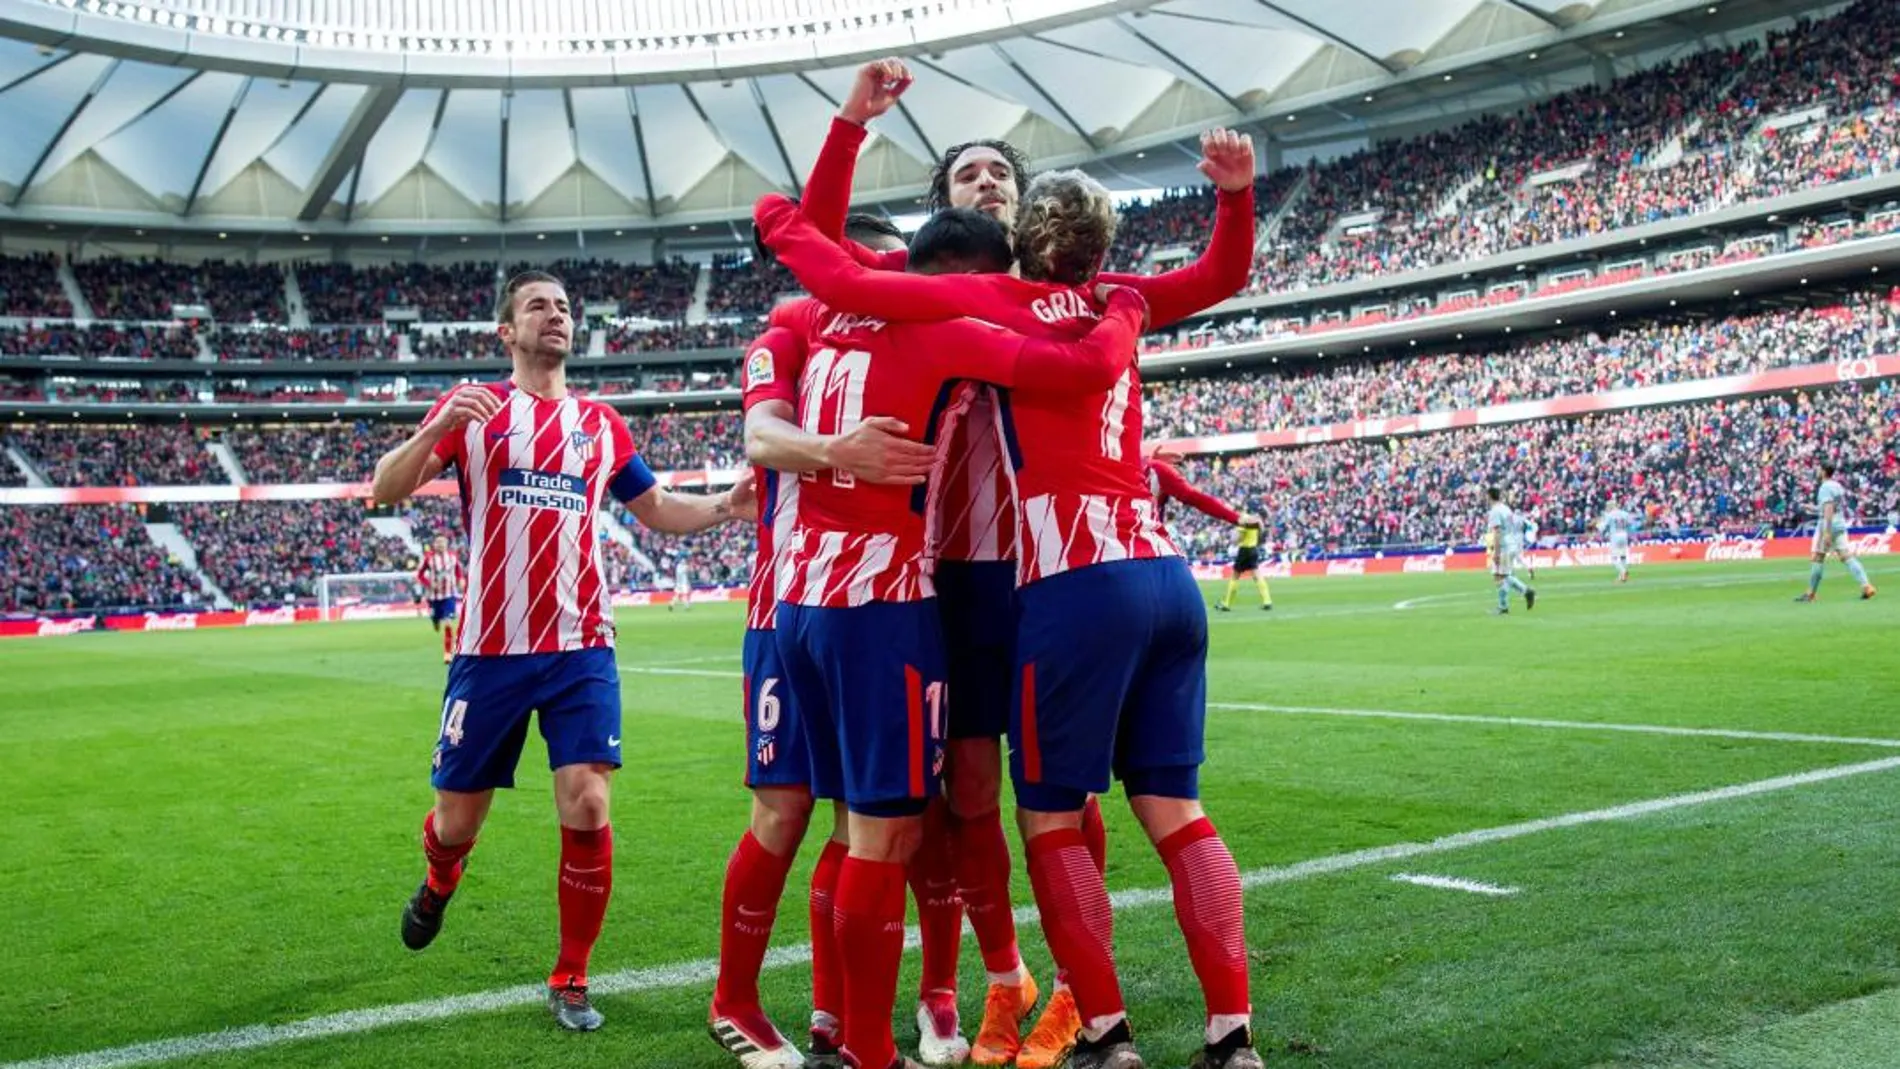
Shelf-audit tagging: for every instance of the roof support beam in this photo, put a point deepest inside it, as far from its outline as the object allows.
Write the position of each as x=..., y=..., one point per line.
x=1317, y=30
x=1192, y=71
x=1087, y=138
x=1537, y=13
x=646, y=162
x=778, y=142
x=501, y=197
x=71, y=117
x=197, y=184
x=346, y=152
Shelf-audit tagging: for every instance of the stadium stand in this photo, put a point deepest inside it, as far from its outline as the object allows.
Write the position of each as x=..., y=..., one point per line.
x=440, y=293
x=323, y=343
x=29, y=286
x=103, y=341
x=1740, y=464
x=147, y=455
x=267, y=553
x=68, y=559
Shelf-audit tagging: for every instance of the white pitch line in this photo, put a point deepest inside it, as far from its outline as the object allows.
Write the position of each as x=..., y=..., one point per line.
x=704, y=971
x=1453, y=883
x=1561, y=725
x=707, y=673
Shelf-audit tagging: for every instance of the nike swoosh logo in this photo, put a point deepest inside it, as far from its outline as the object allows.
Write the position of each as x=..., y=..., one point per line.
x=747, y=911
x=498, y=436
x=613, y=740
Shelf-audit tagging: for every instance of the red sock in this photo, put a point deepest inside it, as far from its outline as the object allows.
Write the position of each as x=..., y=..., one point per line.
x=755, y=879
x=870, y=908
x=1095, y=833
x=827, y=971
x=448, y=638
x=1077, y=919
x=1208, y=907
x=445, y=862
x=982, y=861
x=587, y=881
x=933, y=881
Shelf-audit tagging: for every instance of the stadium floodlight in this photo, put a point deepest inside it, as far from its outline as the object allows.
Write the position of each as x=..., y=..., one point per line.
x=342, y=595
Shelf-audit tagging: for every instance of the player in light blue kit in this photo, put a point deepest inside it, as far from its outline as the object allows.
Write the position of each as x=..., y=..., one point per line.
x=1830, y=536
x=1504, y=538
x=1616, y=522
x=1528, y=521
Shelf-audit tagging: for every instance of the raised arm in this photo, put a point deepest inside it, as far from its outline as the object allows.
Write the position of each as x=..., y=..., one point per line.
x=402, y=470
x=1089, y=364
x=833, y=276
x=1222, y=269
x=1178, y=488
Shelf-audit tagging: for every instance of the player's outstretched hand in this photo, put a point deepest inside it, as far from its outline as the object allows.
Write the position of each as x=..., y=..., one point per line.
x=1108, y=293
x=470, y=403
x=743, y=498
x=877, y=452
x=878, y=85
x=1160, y=453
x=1227, y=159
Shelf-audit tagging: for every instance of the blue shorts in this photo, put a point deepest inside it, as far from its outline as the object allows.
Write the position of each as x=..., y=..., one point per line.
x=1111, y=676
x=776, y=753
x=868, y=682
x=976, y=601
x=441, y=610
x=485, y=715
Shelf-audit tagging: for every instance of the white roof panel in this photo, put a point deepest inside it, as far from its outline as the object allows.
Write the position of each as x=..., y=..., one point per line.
x=165, y=150
x=680, y=146
x=130, y=89
x=21, y=58
x=263, y=116
x=739, y=121
x=466, y=149
x=605, y=142
x=1101, y=94
x=299, y=151
x=398, y=145
x=32, y=112
x=540, y=145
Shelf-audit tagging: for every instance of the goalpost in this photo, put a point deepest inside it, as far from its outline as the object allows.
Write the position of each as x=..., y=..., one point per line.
x=372, y=593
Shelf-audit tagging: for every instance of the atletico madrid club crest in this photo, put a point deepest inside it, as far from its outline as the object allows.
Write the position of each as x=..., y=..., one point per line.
x=582, y=443
x=766, y=750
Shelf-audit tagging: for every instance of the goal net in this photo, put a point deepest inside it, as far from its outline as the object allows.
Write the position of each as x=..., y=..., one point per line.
x=367, y=594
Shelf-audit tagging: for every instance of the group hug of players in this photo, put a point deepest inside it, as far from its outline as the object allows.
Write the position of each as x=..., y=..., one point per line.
x=959, y=542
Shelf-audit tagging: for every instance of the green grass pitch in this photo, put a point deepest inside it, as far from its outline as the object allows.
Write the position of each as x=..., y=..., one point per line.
x=214, y=831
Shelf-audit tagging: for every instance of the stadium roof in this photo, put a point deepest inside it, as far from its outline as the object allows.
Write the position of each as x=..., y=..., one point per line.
x=364, y=117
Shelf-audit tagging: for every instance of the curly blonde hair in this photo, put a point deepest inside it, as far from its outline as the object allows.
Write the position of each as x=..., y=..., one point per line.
x=1065, y=224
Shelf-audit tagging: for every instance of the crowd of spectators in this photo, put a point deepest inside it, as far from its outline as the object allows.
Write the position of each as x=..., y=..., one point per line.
x=660, y=291
x=314, y=453
x=58, y=559
x=267, y=553
x=1648, y=354
x=459, y=343
x=742, y=286
x=29, y=287
x=103, y=341
x=147, y=455
x=113, y=391
x=720, y=334
x=320, y=343
x=1737, y=464
x=440, y=293
x=147, y=289
x=681, y=441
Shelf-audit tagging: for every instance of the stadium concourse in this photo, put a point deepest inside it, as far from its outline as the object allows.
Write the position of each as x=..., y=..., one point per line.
x=1634, y=254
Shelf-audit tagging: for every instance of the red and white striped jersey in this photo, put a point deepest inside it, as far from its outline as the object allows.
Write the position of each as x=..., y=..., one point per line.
x=531, y=480
x=857, y=543
x=770, y=373
x=1080, y=491
x=976, y=504
x=1085, y=498
x=440, y=574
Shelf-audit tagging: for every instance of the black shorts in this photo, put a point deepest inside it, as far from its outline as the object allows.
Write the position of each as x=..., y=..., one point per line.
x=1246, y=559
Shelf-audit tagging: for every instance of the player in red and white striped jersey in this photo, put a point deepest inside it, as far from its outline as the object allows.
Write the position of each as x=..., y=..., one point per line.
x=778, y=765
x=442, y=579
x=1126, y=695
x=976, y=537
x=533, y=462
x=858, y=633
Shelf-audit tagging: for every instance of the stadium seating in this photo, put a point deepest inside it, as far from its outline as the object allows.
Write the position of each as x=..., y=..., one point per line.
x=147, y=455
x=108, y=341
x=1590, y=362
x=267, y=553
x=29, y=286
x=657, y=291
x=1737, y=465
x=323, y=343
x=440, y=293
x=68, y=559
x=319, y=453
